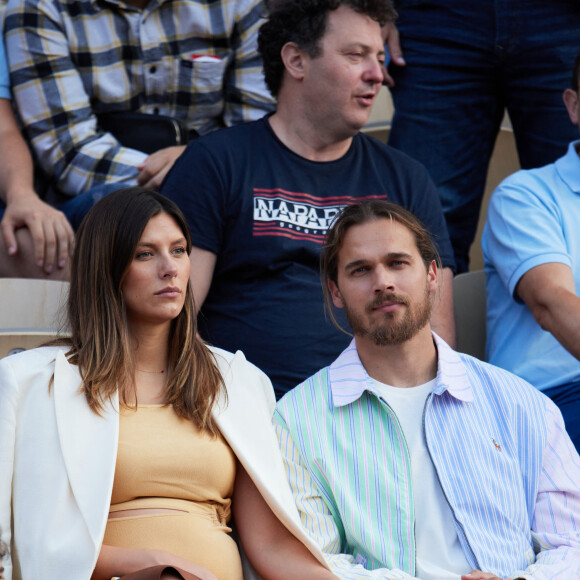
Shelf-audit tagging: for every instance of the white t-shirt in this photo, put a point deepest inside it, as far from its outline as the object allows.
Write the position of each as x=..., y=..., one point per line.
x=439, y=553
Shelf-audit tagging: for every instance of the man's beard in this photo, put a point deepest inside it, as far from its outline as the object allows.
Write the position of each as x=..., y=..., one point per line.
x=391, y=332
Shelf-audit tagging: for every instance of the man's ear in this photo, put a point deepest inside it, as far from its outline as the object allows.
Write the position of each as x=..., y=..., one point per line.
x=433, y=276
x=294, y=60
x=570, y=98
x=335, y=294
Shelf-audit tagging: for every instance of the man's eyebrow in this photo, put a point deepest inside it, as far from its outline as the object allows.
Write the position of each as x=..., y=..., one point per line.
x=399, y=255
x=390, y=256
x=355, y=264
x=364, y=47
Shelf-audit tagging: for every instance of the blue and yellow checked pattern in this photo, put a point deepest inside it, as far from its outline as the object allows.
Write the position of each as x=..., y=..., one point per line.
x=195, y=60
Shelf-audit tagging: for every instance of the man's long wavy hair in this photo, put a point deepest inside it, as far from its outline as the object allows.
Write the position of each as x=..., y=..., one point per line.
x=361, y=213
x=100, y=343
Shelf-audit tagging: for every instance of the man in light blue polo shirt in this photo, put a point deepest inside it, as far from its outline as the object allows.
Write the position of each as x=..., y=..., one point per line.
x=531, y=249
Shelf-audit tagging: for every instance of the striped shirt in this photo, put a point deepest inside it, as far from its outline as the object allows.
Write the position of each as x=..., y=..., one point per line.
x=195, y=60
x=506, y=465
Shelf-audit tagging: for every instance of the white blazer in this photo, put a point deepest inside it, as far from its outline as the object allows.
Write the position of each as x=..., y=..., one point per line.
x=57, y=461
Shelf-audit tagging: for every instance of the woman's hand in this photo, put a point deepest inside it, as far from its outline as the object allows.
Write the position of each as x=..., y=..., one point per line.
x=115, y=561
x=169, y=559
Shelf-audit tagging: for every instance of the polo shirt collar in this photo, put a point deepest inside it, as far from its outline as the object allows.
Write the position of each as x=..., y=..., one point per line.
x=568, y=167
x=349, y=379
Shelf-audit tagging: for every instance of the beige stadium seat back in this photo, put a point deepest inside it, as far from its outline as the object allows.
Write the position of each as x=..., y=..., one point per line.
x=30, y=312
x=470, y=311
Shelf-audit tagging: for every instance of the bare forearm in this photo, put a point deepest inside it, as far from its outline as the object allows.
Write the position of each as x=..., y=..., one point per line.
x=273, y=551
x=202, y=267
x=287, y=558
x=560, y=316
x=115, y=561
x=16, y=167
x=48, y=238
x=549, y=292
x=442, y=319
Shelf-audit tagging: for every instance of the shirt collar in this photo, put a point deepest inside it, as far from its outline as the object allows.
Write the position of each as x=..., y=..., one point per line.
x=568, y=167
x=349, y=379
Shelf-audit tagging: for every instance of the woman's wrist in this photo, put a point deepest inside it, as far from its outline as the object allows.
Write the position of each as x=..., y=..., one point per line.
x=115, y=562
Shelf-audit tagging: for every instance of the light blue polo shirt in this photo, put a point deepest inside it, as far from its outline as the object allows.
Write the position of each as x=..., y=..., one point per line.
x=533, y=219
x=4, y=75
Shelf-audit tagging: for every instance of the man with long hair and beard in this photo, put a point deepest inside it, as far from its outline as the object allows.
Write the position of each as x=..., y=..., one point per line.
x=409, y=460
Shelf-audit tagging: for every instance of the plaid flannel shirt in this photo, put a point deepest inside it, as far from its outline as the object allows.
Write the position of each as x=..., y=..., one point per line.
x=72, y=59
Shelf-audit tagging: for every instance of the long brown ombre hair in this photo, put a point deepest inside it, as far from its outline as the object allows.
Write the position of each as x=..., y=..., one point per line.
x=100, y=344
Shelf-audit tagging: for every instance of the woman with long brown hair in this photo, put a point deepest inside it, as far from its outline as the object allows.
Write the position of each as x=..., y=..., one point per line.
x=125, y=447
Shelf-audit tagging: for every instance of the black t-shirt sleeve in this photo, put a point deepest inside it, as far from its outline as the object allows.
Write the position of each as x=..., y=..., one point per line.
x=197, y=184
x=425, y=204
x=405, y=181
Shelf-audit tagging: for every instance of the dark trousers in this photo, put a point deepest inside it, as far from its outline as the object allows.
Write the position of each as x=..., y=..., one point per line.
x=466, y=62
x=567, y=397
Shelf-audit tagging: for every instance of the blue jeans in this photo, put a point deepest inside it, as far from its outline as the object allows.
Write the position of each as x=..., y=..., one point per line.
x=567, y=397
x=76, y=208
x=466, y=62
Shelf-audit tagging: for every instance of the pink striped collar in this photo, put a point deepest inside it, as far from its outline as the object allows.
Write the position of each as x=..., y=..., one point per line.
x=349, y=379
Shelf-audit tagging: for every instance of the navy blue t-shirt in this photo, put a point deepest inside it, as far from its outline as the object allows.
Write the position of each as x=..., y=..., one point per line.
x=264, y=211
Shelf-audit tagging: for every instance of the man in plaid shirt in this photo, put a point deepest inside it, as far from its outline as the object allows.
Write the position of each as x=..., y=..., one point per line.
x=73, y=59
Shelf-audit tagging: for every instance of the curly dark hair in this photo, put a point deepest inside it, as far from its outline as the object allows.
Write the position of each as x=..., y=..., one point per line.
x=304, y=23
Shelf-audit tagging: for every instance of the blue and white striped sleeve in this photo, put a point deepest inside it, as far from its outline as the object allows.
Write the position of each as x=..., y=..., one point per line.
x=556, y=517
x=317, y=519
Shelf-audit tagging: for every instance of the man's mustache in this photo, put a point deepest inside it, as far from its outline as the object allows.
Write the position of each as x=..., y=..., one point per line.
x=387, y=297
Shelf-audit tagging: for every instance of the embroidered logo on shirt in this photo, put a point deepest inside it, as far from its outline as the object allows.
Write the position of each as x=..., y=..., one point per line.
x=497, y=445
x=361, y=560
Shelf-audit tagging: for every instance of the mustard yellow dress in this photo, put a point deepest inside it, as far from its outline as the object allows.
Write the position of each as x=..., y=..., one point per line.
x=164, y=462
